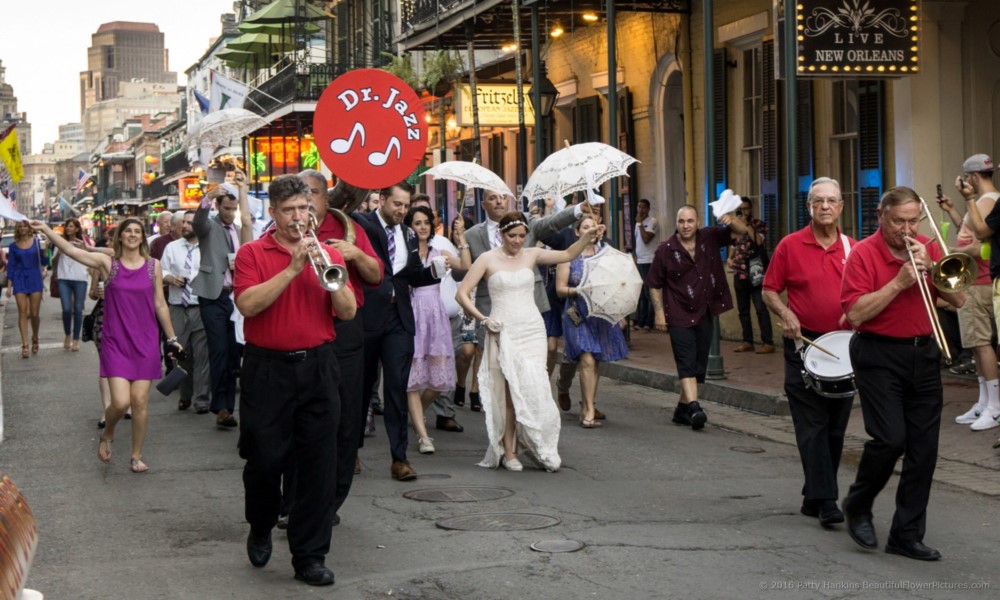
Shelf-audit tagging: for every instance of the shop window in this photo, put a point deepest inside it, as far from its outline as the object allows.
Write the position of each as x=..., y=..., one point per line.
x=752, y=112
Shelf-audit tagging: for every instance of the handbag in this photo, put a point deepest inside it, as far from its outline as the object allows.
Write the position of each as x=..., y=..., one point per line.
x=54, y=278
x=90, y=322
x=757, y=266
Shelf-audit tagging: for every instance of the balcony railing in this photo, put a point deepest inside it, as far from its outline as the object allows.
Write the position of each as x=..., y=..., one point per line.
x=416, y=11
x=295, y=83
x=116, y=192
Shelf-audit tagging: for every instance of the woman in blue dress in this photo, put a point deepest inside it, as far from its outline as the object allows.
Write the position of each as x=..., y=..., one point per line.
x=26, y=262
x=586, y=339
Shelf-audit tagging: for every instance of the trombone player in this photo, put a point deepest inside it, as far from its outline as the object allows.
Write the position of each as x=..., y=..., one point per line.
x=897, y=371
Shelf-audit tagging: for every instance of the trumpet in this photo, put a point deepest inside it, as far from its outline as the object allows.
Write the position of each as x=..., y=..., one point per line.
x=953, y=274
x=332, y=277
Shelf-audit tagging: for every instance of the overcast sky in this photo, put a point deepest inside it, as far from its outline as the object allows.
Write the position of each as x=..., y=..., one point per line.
x=43, y=46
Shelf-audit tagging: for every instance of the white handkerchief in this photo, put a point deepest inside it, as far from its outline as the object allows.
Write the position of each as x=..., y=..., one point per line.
x=727, y=203
x=592, y=197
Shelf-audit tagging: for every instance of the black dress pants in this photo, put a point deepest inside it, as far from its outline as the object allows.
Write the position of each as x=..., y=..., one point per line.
x=820, y=424
x=901, y=398
x=223, y=351
x=392, y=347
x=290, y=410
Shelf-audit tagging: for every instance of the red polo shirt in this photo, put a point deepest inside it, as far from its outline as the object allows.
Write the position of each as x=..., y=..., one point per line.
x=870, y=267
x=332, y=228
x=812, y=276
x=302, y=316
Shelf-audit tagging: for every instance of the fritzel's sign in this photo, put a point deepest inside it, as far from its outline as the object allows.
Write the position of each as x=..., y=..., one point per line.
x=858, y=37
x=370, y=128
x=497, y=104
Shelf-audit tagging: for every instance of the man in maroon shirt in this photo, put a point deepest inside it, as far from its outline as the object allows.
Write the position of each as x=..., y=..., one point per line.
x=290, y=404
x=687, y=277
x=809, y=265
x=897, y=369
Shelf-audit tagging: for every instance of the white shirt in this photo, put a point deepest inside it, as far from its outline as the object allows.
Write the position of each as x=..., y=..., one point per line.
x=449, y=287
x=172, y=263
x=68, y=269
x=644, y=252
x=401, y=253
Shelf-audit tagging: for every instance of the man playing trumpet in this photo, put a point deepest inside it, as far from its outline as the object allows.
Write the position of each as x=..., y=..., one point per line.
x=896, y=370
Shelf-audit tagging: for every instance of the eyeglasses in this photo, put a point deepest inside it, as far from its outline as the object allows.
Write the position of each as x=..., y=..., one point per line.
x=832, y=201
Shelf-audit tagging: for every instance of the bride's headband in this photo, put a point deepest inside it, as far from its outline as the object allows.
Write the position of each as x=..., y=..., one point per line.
x=513, y=224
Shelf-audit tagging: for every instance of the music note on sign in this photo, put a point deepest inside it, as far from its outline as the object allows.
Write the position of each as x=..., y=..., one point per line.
x=342, y=146
x=380, y=158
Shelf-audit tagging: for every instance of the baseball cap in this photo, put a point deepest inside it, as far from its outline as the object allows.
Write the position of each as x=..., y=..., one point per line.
x=977, y=163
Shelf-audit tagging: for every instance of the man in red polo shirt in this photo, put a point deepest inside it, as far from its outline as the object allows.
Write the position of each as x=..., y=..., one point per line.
x=897, y=369
x=290, y=404
x=809, y=264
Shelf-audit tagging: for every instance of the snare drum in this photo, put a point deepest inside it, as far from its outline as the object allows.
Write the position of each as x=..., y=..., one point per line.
x=828, y=376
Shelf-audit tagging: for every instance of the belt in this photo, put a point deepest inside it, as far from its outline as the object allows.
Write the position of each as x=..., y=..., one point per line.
x=291, y=356
x=919, y=340
x=227, y=290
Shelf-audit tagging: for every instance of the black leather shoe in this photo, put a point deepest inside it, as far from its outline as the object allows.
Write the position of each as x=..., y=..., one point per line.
x=829, y=514
x=861, y=530
x=697, y=415
x=913, y=549
x=810, y=508
x=259, y=549
x=336, y=519
x=449, y=424
x=315, y=573
x=282, y=522
x=682, y=414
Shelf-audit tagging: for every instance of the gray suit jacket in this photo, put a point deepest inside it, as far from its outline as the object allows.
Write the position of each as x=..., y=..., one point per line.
x=539, y=228
x=212, y=240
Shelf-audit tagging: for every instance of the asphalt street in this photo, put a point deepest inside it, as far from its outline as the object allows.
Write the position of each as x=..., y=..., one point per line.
x=663, y=512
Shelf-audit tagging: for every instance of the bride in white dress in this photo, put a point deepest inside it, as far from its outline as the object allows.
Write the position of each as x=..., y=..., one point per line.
x=513, y=381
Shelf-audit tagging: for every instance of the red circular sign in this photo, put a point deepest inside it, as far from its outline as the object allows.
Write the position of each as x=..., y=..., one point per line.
x=370, y=128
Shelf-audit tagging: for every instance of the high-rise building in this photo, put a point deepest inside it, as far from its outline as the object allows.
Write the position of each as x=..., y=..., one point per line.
x=123, y=51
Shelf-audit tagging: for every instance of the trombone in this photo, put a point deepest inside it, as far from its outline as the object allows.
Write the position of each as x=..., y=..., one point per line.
x=953, y=274
x=331, y=276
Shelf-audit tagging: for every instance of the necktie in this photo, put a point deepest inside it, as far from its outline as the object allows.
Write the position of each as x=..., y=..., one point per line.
x=497, y=240
x=186, y=292
x=234, y=243
x=390, y=234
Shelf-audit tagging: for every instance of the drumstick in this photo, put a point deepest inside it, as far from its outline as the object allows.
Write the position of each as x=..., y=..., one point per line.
x=814, y=344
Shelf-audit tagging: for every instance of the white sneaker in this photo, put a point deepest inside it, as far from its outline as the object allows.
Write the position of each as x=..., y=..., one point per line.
x=512, y=464
x=426, y=445
x=985, y=421
x=970, y=417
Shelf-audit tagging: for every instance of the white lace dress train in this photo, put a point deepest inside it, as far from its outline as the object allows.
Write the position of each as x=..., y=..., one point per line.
x=517, y=356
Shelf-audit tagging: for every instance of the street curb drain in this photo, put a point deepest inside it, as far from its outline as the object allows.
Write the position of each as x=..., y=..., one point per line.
x=458, y=494
x=498, y=522
x=557, y=546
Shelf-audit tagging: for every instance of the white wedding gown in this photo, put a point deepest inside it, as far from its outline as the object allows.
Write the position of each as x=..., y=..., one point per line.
x=517, y=356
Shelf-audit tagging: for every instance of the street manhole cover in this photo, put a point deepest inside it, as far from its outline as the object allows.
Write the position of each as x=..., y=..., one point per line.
x=498, y=522
x=435, y=476
x=557, y=546
x=458, y=494
x=747, y=449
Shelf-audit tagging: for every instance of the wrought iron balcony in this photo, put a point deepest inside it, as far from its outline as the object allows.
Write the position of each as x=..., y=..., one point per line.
x=294, y=83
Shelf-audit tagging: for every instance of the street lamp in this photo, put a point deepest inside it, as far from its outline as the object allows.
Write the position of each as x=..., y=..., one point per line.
x=543, y=95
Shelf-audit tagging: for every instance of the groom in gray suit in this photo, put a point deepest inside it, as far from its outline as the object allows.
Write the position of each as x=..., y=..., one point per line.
x=485, y=236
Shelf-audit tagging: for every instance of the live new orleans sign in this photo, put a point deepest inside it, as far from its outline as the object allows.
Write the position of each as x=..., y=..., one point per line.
x=857, y=37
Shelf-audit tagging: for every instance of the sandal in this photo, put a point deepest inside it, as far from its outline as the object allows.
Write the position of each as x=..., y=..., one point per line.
x=138, y=466
x=104, y=457
x=24, y=351
x=34, y=345
x=591, y=424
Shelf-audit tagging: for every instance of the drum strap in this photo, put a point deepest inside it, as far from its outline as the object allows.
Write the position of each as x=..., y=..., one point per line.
x=847, y=246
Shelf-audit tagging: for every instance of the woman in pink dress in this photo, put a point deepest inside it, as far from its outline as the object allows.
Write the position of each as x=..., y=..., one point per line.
x=433, y=368
x=130, y=353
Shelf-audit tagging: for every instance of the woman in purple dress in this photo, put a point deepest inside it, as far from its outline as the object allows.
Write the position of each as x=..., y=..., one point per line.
x=26, y=262
x=433, y=368
x=130, y=352
x=587, y=339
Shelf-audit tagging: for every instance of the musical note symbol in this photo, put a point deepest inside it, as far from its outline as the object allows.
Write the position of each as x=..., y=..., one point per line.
x=380, y=158
x=342, y=146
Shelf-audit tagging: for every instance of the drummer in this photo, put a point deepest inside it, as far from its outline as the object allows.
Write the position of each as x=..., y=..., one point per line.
x=897, y=368
x=809, y=264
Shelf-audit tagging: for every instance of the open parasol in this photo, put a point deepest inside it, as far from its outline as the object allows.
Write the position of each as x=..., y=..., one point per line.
x=576, y=168
x=469, y=174
x=286, y=11
x=610, y=285
x=218, y=128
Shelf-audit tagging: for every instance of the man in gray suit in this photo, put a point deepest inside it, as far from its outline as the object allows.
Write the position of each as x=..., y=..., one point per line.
x=485, y=236
x=219, y=239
